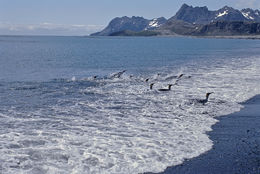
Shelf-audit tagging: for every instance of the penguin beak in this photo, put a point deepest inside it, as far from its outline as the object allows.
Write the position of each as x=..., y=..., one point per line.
x=209, y=93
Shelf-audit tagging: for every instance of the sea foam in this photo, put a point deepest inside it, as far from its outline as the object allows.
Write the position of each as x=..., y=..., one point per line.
x=121, y=126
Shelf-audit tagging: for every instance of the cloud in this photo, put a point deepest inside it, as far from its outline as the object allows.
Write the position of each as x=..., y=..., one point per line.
x=248, y=4
x=46, y=28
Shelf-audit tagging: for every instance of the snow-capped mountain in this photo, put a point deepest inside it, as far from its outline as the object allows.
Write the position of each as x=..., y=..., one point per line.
x=250, y=14
x=201, y=15
x=187, y=21
x=228, y=14
x=134, y=23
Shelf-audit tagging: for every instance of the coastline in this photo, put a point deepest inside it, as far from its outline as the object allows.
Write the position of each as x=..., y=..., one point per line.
x=236, y=148
x=249, y=37
x=230, y=37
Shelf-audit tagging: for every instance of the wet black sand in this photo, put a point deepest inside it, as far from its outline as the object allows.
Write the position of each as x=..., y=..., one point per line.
x=236, y=147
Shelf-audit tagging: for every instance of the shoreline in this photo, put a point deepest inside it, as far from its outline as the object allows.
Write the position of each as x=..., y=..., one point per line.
x=246, y=37
x=236, y=148
x=253, y=37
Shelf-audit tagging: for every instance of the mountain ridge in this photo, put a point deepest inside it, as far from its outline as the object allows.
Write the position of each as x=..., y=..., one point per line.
x=135, y=24
x=189, y=20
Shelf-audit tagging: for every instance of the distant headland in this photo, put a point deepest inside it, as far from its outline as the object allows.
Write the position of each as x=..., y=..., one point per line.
x=190, y=21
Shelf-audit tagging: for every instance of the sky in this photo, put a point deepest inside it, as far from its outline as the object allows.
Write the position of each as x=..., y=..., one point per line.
x=82, y=17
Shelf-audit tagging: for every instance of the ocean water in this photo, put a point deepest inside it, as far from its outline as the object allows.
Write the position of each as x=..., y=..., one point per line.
x=55, y=117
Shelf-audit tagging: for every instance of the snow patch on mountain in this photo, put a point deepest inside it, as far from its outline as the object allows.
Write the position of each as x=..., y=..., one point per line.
x=154, y=23
x=222, y=14
x=247, y=15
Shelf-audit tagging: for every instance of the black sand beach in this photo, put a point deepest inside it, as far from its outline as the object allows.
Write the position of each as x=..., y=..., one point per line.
x=236, y=147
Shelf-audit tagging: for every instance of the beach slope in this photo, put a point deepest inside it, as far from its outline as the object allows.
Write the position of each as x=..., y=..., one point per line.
x=236, y=147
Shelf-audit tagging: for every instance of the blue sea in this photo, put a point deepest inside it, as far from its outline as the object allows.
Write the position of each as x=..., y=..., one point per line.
x=84, y=104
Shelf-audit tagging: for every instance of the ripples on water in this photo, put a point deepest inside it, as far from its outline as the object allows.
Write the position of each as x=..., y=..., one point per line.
x=104, y=125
